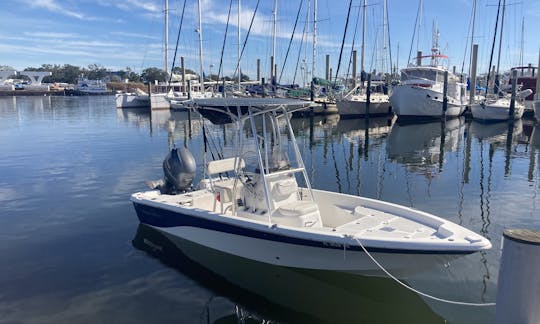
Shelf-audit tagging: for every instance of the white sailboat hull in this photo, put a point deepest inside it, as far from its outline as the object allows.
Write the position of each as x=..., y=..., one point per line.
x=128, y=100
x=496, y=111
x=416, y=101
x=356, y=106
x=159, y=101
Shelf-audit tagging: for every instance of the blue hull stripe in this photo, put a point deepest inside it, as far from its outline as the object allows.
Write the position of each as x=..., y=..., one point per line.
x=165, y=218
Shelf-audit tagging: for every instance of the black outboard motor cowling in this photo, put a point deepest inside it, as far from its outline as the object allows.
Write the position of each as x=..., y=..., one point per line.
x=179, y=170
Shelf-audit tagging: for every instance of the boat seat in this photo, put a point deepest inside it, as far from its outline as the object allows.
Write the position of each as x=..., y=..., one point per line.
x=224, y=165
x=297, y=208
x=223, y=189
x=298, y=214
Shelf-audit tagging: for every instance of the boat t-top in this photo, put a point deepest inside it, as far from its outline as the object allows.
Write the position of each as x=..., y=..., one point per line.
x=258, y=204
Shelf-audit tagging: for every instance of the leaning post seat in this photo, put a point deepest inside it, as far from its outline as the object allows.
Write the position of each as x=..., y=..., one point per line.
x=224, y=188
x=287, y=208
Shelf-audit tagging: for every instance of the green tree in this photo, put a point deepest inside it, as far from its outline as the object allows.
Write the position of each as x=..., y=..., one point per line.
x=178, y=70
x=60, y=73
x=152, y=73
x=244, y=77
x=96, y=72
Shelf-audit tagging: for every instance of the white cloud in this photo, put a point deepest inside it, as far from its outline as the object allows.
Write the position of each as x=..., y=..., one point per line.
x=50, y=35
x=55, y=7
x=145, y=5
x=135, y=35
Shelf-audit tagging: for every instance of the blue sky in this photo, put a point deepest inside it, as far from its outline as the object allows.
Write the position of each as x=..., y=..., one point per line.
x=130, y=33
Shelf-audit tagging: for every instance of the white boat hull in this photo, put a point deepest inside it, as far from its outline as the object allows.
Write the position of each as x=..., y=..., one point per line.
x=325, y=248
x=416, y=101
x=496, y=111
x=305, y=257
x=379, y=106
x=127, y=100
x=159, y=101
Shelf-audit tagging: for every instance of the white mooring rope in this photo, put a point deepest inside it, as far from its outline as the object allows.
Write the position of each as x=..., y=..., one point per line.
x=414, y=290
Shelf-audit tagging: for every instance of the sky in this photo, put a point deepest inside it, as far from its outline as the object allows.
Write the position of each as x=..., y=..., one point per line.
x=130, y=33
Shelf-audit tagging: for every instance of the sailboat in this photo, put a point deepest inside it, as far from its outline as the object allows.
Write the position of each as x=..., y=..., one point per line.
x=135, y=99
x=356, y=104
x=258, y=204
x=498, y=107
x=141, y=99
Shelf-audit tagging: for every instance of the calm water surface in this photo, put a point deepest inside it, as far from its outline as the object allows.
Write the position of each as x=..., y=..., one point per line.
x=72, y=249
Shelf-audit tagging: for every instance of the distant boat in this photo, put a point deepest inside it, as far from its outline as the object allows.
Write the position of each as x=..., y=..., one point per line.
x=497, y=106
x=355, y=102
x=86, y=86
x=526, y=78
x=136, y=99
x=355, y=105
x=420, y=92
x=498, y=109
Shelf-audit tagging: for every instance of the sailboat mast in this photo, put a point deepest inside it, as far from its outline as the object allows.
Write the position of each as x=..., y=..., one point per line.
x=435, y=48
x=500, y=37
x=472, y=35
x=306, y=49
x=383, y=47
x=239, y=68
x=165, y=61
x=421, y=4
x=363, y=39
x=522, y=41
x=201, y=78
x=313, y=63
x=272, y=68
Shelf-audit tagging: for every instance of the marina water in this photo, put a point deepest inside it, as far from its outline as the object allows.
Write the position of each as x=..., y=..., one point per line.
x=72, y=249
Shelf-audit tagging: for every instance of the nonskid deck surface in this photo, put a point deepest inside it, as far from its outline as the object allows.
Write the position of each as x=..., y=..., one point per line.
x=373, y=226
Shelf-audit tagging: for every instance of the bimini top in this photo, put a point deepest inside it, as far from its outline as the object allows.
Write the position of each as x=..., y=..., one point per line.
x=226, y=110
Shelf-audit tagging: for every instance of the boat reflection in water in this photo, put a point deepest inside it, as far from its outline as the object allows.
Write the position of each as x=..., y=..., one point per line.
x=266, y=292
x=497, y=133
x=422, y=146
x=181, y=123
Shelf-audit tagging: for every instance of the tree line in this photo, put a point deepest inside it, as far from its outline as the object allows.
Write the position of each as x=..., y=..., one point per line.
x=68, y=73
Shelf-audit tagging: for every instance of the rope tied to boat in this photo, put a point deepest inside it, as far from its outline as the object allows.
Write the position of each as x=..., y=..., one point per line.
x=454, y=302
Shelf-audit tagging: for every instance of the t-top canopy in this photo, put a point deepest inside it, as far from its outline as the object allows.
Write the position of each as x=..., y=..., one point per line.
x=227, y=110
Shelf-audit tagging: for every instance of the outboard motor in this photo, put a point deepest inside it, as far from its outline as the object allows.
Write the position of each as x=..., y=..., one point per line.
x=179, y=170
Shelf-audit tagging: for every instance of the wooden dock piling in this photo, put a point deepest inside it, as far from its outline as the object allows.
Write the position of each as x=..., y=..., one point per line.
x=445, y=95
x=472, y=82
x=513, y=97
x=354, y=67
x=328, y=73
x=368, y=93
x=183, y=68
x=258, y=70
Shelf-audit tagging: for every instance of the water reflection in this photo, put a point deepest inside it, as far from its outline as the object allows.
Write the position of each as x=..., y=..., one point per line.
x=422, y=147
x=69, y=165
x=285, y=294
x=8, y=104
